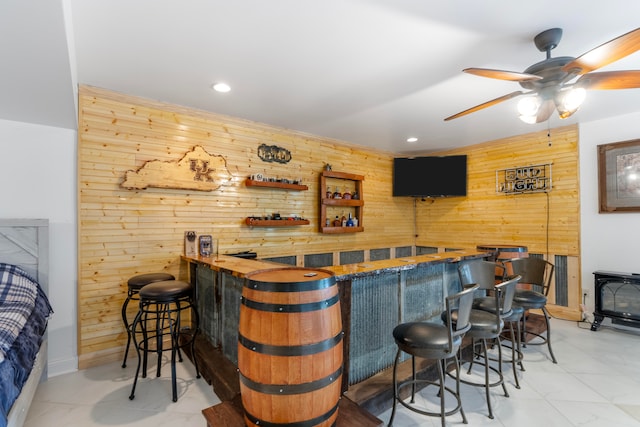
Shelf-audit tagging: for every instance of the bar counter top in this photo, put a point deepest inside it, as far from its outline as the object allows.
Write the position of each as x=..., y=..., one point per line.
x=241, y=267
x=238, y=267
x=403, y=263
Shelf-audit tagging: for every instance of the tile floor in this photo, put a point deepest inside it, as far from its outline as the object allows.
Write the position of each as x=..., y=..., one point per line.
x=595, y=383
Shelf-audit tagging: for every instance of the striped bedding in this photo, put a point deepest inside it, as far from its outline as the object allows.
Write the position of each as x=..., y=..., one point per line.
x=24, y=311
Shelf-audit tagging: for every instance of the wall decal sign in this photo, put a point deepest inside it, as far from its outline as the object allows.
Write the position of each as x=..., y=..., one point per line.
x=196, y=170
x=273, y=153
x=524, y=179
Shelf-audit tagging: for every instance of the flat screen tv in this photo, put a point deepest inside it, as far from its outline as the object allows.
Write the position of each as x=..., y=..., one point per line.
x=433, y=176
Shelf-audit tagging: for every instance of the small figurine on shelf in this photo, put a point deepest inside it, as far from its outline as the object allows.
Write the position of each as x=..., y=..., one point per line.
x=327, y=167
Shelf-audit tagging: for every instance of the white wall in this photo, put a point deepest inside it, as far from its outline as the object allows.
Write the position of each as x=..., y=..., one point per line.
x=608, y=241
x=38, y=180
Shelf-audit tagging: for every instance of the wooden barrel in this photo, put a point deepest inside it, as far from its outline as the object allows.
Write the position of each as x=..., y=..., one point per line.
x=290, y=348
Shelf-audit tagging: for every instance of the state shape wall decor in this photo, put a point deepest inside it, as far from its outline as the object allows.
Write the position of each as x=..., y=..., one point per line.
x=196, y=170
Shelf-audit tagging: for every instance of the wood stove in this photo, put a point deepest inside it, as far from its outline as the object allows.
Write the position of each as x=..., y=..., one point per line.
x=617, y=296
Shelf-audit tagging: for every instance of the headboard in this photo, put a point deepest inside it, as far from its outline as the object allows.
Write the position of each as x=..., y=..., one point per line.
x=25, y=243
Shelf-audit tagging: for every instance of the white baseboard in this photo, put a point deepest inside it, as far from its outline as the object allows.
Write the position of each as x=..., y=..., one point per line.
x=59, y=367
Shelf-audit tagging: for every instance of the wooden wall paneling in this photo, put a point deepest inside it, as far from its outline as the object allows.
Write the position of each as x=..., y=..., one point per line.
x=127, y=232
x=487, y=217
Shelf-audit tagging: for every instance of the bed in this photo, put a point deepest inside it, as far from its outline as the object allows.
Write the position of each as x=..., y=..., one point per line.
x=24, y=312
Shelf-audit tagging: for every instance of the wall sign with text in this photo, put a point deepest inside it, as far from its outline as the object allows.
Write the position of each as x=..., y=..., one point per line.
x=524, y=179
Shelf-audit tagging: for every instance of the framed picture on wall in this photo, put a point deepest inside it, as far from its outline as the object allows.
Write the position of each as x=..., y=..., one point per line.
x=619, y=177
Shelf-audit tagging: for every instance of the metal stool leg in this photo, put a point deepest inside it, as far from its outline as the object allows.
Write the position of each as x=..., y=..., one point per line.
x=137, y=347
x=127, y=327
x=395, y=388
x=546, y=320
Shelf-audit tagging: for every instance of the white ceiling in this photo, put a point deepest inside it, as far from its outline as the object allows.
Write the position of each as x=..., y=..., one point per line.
x=369, y=72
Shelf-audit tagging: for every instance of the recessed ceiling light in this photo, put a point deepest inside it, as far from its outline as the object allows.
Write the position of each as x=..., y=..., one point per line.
x=221, y=87
x=412, y=139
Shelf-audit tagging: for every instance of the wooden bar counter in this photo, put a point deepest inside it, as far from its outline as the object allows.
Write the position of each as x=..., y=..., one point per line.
x=375, y=296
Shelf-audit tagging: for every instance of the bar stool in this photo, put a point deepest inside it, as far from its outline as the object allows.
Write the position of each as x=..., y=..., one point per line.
x=162, y=303
x=487, y=326
x=134, y=285
x=433, y=341
x=487, y=274
x=536, y=277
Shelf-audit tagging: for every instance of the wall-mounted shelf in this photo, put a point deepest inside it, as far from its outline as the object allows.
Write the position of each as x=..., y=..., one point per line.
x=354, y=206
x=342, y=202
x=339, y=230
x=252, y=222
x=278, y=185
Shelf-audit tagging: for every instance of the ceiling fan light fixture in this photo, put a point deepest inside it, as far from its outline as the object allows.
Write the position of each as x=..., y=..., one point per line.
x=568, y=101
x=528, y=107
x=532, y=119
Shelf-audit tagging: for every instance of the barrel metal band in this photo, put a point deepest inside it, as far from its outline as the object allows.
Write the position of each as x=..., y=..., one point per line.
x=290, y=308
x=308, y=423
x=290, y=350
x=288, y=389
x=313, y=285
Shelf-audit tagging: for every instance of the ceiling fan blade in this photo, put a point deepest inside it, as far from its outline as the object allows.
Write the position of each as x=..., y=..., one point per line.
x=605, y=54
x=605, y=80
x=502, y=74
x=485, y=105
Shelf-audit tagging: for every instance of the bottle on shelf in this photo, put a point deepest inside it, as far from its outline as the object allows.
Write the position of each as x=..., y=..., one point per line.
x=344, y=220
x=329, y=194
x=350, y=221
x=346, y=195
x=336, y=222
x=337, y=194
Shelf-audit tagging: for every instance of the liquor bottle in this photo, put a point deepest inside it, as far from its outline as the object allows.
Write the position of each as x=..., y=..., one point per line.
x=329, y=194
x=344, y=220
x=346, y=195
x=337, y=194
x=336, y=222
x=350, y=220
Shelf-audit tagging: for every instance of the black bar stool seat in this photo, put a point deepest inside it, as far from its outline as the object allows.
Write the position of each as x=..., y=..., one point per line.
x=134, y=284
x=161, y=306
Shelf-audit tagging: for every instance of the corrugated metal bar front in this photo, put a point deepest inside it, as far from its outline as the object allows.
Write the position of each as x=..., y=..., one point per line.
x=374, y=314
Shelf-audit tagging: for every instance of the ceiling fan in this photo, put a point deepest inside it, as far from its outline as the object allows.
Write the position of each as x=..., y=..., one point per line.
x=550, y=83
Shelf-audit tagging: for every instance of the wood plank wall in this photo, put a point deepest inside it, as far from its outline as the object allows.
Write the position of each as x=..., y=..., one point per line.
x=127, y=232
x=546, y=223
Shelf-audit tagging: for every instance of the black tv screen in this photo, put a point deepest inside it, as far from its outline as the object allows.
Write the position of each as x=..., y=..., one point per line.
x=433, y=176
